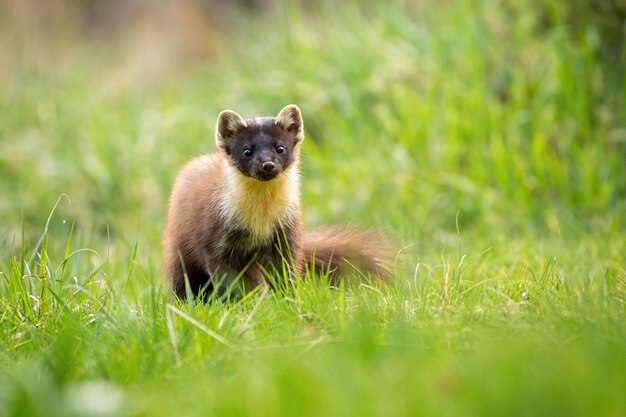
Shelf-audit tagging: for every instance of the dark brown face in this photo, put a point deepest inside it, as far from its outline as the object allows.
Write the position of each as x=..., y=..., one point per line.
x=262, y=147
x=262, y=150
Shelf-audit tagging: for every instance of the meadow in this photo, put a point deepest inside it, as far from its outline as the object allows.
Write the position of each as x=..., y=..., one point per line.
x=488, y=137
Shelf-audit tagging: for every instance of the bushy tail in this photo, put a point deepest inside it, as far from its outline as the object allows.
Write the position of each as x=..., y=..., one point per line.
x=342, y=249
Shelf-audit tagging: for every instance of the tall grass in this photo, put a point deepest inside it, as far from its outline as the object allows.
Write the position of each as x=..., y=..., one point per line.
x=491, y=145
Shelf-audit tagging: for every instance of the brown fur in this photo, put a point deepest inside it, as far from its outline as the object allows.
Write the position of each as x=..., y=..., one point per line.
x=229, y=217
x=339, y=250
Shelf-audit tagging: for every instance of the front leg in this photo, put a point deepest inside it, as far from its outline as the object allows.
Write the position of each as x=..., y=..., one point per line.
x=235, y=281
x=253, y=277
x=287, y=251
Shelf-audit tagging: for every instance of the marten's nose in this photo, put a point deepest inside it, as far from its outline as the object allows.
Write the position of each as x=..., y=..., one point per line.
x=268, y=166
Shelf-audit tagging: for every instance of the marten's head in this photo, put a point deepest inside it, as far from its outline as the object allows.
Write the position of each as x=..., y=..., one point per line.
x=261, y=147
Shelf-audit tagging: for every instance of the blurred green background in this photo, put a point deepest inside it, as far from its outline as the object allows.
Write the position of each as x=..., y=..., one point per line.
x=509, y=114
x=488, y=136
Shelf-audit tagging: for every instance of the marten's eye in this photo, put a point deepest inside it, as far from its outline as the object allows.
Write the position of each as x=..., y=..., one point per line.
x=247, y=152
x=280, y=149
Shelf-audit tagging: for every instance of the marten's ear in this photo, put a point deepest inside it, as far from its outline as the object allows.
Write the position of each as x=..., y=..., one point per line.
x=229, y=124
x=290, y=119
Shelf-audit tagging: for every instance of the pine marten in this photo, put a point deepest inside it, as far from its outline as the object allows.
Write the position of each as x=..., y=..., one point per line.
x=235, y=214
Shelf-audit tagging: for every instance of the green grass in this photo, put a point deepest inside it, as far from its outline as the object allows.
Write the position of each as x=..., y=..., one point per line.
x=491, y=143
